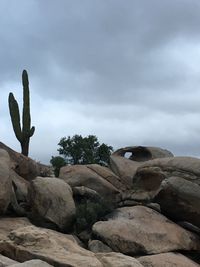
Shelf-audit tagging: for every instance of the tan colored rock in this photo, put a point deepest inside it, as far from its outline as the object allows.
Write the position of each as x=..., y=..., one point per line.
x=8, y=224
x=82, y=175
x=20, y=186
x=180, y=199
x=51, y=201
x=25, y=166
x=113, y=259
x=185, y=167
x=143, y=153
x=167, y=260
x=108, y=175
x=32, y=263
x=5, y=181
x=98, y=246
x=141, y=230
x=125, y=169
x=57, y=249
x=4, y=261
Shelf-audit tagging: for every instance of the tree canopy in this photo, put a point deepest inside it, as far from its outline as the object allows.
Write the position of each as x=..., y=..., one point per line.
x=81, y=150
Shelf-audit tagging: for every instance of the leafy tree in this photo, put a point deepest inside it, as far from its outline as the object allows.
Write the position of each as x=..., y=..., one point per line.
x=57, y=163
x=84, y=150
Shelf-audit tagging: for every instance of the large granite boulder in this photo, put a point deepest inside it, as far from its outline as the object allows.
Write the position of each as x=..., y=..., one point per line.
x=5, y=181
x=154, y=171
x=113, y=259
x=25, y=166
x=51, y=202
x=32, y=263
x=5, y=261
x=99, y=179
x=141, y=230
x=57, y=249
x=28, y=244
x=167, y=260
x=180, y=200
x=126, y=168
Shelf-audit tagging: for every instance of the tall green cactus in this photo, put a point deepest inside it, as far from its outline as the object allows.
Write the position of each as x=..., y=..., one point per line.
x=23, y=133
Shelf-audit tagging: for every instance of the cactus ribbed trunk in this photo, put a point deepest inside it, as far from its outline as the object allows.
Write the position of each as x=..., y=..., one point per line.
x=25, y=147
x=24, y=132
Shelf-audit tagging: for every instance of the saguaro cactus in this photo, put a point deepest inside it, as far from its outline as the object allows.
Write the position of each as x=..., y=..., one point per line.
x=24, y=132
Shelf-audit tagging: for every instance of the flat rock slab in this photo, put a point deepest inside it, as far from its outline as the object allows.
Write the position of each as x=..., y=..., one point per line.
x=113, y=259
x=167, y=260
x=141, y=230
x=32, y=263
x=4, y=261
x=31, y=242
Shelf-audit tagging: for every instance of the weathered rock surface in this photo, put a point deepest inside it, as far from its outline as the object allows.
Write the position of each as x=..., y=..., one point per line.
x=5, y=261
x=27, y=243
x=98, y=246
x=141, y=230
x=113, y=259
x=180, y=200
x=32, y=263
x=125, y=169
x=25, y=166
x=5, y=181
x=185, y=167
x=20, y=187
x=8, y=224
x=83, y=175
x=142, y=153
x=167, y=260
x=51, y=201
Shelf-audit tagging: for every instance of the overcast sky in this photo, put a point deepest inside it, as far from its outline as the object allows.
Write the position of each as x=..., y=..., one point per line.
x=126, y=71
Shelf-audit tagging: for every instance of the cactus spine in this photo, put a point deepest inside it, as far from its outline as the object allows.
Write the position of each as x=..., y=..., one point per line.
x=23, y=133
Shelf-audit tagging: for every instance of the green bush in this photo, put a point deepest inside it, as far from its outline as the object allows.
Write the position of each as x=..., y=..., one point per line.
x=88, y=212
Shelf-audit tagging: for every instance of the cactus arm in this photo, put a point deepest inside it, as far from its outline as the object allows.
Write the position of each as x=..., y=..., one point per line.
x=26, y=118
x=31, y=132
x=15, y=116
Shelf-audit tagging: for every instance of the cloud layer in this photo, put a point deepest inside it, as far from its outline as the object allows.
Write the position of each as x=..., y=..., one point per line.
x=127, y=72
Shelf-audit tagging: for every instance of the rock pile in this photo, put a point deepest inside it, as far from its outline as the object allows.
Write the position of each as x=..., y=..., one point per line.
x=143, y=211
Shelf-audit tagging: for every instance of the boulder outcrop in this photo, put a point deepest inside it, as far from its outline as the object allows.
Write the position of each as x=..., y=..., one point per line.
x=167, y=260
x=5, y=181
x=51, y=202
x=157, y=222
x=180, y=200
x=141, y=230
x=98, y=179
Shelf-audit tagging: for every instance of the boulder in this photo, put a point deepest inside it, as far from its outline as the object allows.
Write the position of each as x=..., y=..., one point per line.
x=142, y=153
x=179, y=199
x=141, y=230
x=20, y=187
x=4, y=261
x=98, y=246
x=57, y=249
x=25, y=166
x=167, y=260
x=114, y=259
x=125, y=169
x=51, y=202
x=84, y=175
x=5, y=181
x=32, y=263
x=155, y=171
